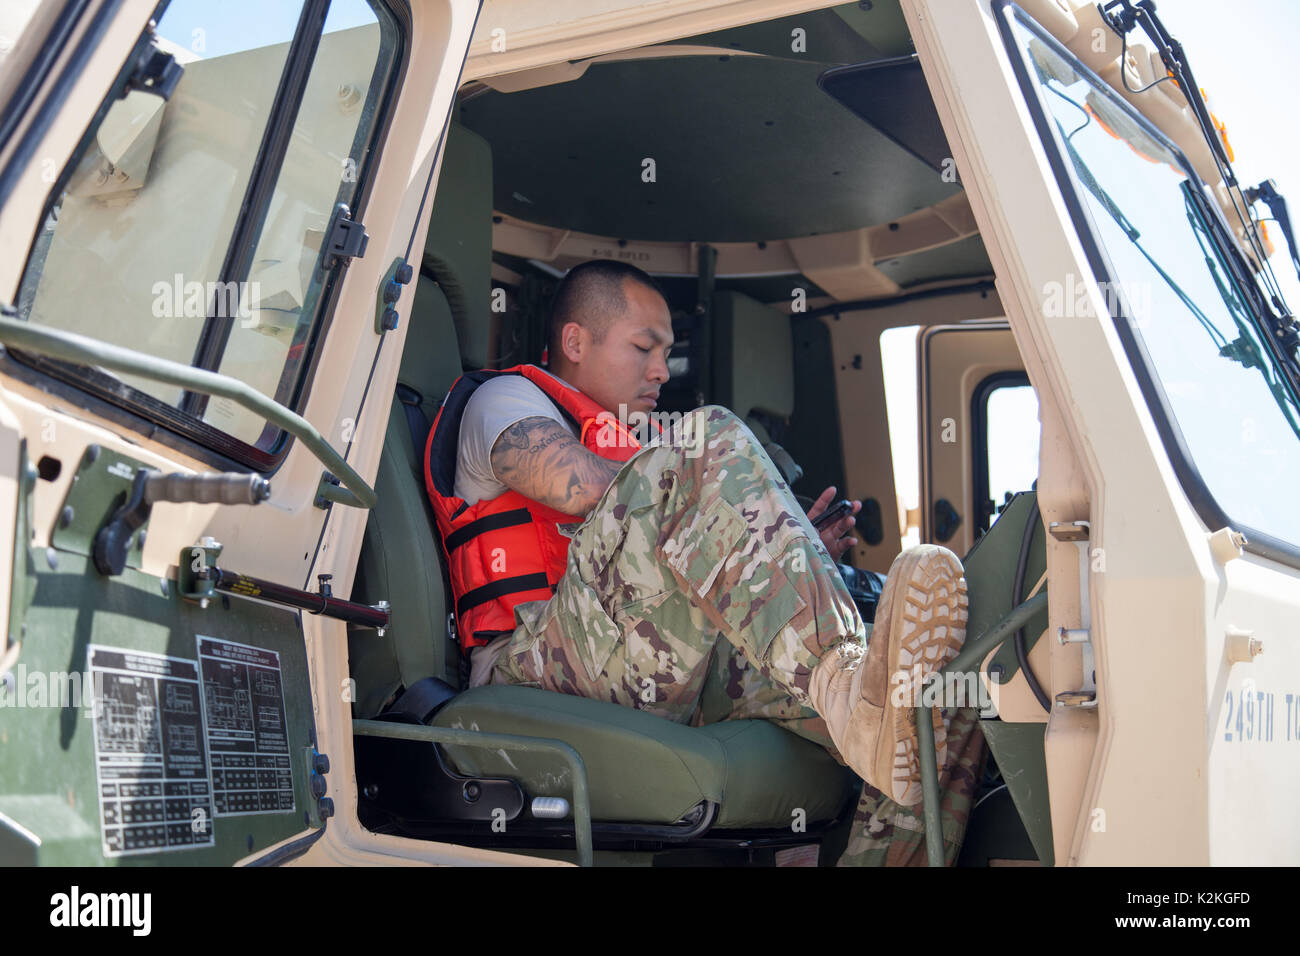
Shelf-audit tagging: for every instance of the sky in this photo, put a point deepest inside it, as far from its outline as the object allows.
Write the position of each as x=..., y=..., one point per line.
x=210, y=30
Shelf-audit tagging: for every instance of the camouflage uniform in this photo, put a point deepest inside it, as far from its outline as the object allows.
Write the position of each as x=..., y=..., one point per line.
x=697, y=589
x=887, y=834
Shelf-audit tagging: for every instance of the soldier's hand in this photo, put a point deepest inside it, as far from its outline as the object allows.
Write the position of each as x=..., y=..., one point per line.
x=837, y=537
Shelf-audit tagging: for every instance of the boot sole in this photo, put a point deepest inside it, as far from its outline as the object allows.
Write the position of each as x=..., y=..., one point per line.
x=924, y=606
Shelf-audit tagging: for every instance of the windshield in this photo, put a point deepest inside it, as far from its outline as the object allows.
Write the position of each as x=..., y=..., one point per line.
x=1236, y=418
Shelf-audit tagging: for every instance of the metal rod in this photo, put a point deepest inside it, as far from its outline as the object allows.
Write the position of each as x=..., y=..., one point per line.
x=472, y=738
x=81, y=350
x=929, y=786
x=972, y=653
x=337, y=493
x=975, y=651
x=241, y=585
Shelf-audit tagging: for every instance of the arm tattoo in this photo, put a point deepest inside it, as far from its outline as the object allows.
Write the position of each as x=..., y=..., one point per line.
x=538, y=458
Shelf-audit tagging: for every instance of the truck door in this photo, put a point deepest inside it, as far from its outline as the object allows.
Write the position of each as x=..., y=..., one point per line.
x=979, y=429
x=205, y=211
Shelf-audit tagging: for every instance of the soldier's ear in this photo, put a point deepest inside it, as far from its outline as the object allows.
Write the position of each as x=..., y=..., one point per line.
x=573, y=341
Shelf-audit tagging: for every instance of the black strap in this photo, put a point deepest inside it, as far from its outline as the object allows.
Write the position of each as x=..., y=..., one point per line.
x=422, y=699
x=412, y=402
x=490, y=592
x=505, y=519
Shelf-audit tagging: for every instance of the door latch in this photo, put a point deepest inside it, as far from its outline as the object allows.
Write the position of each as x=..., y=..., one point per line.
x=346, y=239
x=114, y=540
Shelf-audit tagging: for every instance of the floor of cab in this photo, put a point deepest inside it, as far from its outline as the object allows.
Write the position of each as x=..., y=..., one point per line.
x=996, y=837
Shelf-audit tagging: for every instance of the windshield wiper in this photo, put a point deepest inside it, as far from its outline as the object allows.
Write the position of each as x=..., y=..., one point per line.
x=1244, y=349
x=1266, y=192
x=1122, y=16
x=1280, y=330
x=1255, y=320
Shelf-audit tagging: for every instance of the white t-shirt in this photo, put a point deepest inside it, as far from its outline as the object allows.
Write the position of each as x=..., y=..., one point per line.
x=496, y=405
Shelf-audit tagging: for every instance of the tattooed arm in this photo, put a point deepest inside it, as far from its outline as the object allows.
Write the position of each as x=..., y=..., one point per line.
x=538, y=458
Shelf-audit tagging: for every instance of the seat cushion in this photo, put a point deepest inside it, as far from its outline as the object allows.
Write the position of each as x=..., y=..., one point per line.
x=644, y=769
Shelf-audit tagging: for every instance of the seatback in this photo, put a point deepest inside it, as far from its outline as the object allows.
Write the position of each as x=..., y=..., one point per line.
x=752, y=366
x=752, y=357
x=401, y=558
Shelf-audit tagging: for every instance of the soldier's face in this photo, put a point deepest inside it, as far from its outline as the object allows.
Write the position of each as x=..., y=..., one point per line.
x=628, y=366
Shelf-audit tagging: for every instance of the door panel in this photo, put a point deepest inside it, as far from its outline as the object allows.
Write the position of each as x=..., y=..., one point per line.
x=141, y=723
x=978, y=424
x=159, y=753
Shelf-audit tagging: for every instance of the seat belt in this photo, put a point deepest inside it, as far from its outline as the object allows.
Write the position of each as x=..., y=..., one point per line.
x=419, y=425
x=422, y=699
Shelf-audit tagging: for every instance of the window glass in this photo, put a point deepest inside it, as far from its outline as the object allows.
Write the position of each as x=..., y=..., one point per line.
x=1235, y=414
x=268, y=340
x=1011, y=442
x=139, y=247
x=132, y=252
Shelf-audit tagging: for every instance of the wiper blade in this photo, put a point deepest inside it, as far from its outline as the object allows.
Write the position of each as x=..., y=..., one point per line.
x=1266, y=192
x=1279, y=326
x=1122, y=16
x=1211, y=236
x=1245, y=348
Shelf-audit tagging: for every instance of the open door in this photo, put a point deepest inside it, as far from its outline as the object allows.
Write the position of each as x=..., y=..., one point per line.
x=205, y=212
x=979, y=430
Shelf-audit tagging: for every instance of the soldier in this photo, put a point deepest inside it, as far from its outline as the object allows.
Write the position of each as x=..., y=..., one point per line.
x=688, y=582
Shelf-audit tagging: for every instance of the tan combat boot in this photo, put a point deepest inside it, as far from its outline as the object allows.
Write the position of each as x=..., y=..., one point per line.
x=868, y=699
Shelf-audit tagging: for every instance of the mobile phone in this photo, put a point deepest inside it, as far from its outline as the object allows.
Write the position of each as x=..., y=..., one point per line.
x=834, y=513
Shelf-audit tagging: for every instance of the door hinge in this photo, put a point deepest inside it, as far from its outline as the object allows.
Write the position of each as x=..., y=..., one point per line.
x=347, y=238
x=1079, y=533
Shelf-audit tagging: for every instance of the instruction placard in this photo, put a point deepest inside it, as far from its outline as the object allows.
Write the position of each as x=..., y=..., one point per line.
x=150, y=758
x=247, y=738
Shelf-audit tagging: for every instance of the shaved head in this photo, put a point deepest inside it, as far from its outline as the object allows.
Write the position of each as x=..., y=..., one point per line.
x=593, y=294
x=611, y=334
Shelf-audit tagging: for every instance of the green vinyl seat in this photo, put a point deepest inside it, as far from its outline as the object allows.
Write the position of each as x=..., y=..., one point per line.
x=642, y=768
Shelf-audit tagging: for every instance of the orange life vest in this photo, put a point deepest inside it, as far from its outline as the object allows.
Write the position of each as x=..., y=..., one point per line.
x=506, y=550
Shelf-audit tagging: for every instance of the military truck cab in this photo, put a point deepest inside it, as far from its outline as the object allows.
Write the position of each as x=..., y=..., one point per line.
x=977, y=265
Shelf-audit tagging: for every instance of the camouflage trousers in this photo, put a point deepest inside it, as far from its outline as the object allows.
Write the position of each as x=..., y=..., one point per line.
x=698, y=590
